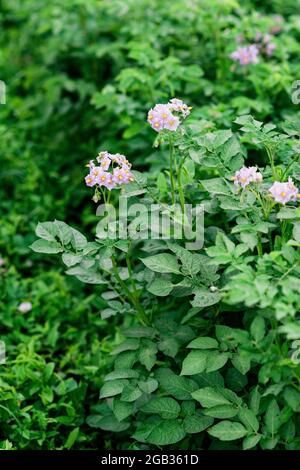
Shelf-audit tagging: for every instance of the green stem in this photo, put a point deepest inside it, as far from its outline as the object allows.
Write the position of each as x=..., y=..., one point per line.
x=171, y=146
x=259, y=245
x=134, y=300
x=180, y=189
x=271, y=160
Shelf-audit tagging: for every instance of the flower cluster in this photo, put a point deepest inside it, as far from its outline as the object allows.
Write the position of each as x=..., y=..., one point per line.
x=267, y=46
x=167, y=116
x=246, y=55
x=249, y=54
x=245, y=176
x=110, y=171
x=284, y=192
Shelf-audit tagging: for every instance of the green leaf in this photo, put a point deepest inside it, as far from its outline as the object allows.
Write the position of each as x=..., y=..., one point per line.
x=64, y=232
x=46, y=230
x=122, y=374
x=122, y=409
x=296, y=231
x=205, y=298
x=70, y=259
x=86, y=275
x=169, y=346
x=248, y=418
x=231, y=148
x=147, y=355
x=125, y=360
x=254, y=400
x=216, y=360
x=231, y=336
x=292, y=397
x=222, y=411
x=166, y=407
x=130, y=393
x=44, y=246
x=72, y=438
x=257, y=329
x=162, y=263
x=194, y=363
x=191, y=262
x=78, y=240
x=241, y=362
x=197, y=423
x=272, y=418
x=203, y=342
x=166, y=432
x=139, y=332
x=209, y=397
x=127, y=345
x=179, y=387
x=250, y=441
x=107, y=423
x=160, y=287
x=228, y=431
x=216, y=186
x=111, y=388
x=148, y=386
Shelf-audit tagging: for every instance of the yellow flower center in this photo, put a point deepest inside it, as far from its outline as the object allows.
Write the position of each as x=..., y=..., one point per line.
x=151, y=117
x=282, y=194
x=243, y=180
x=89, y=180
x=120, y=177
x=156, y=124
x=164, y=115
x=103, y=178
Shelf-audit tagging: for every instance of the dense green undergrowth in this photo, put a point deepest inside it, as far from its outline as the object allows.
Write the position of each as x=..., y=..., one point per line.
x=80, y=77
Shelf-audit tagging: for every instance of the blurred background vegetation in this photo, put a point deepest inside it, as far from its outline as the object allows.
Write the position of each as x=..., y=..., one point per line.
x=81, y=76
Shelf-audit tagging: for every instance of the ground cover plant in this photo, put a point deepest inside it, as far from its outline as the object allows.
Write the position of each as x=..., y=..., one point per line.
x=150, y=342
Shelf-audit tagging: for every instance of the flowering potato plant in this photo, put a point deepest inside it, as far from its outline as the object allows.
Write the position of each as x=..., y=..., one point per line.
x=197, y=237
x=204, y=352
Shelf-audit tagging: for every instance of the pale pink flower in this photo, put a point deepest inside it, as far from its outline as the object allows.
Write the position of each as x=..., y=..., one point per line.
x=284, y=192
x=25, y=307
x=91, y=164
x=245, y=176
x=120, y=176
x=166, y=116
x=270, y=48
x=110, y=184
x=180, y=107
x=101, y=176
x=246, y=55
x=104, y=160
x=96, y=171
x=172, y=123
x=90, y=180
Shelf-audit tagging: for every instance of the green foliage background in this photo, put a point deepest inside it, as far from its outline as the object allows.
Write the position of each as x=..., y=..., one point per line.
x=81, y=76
